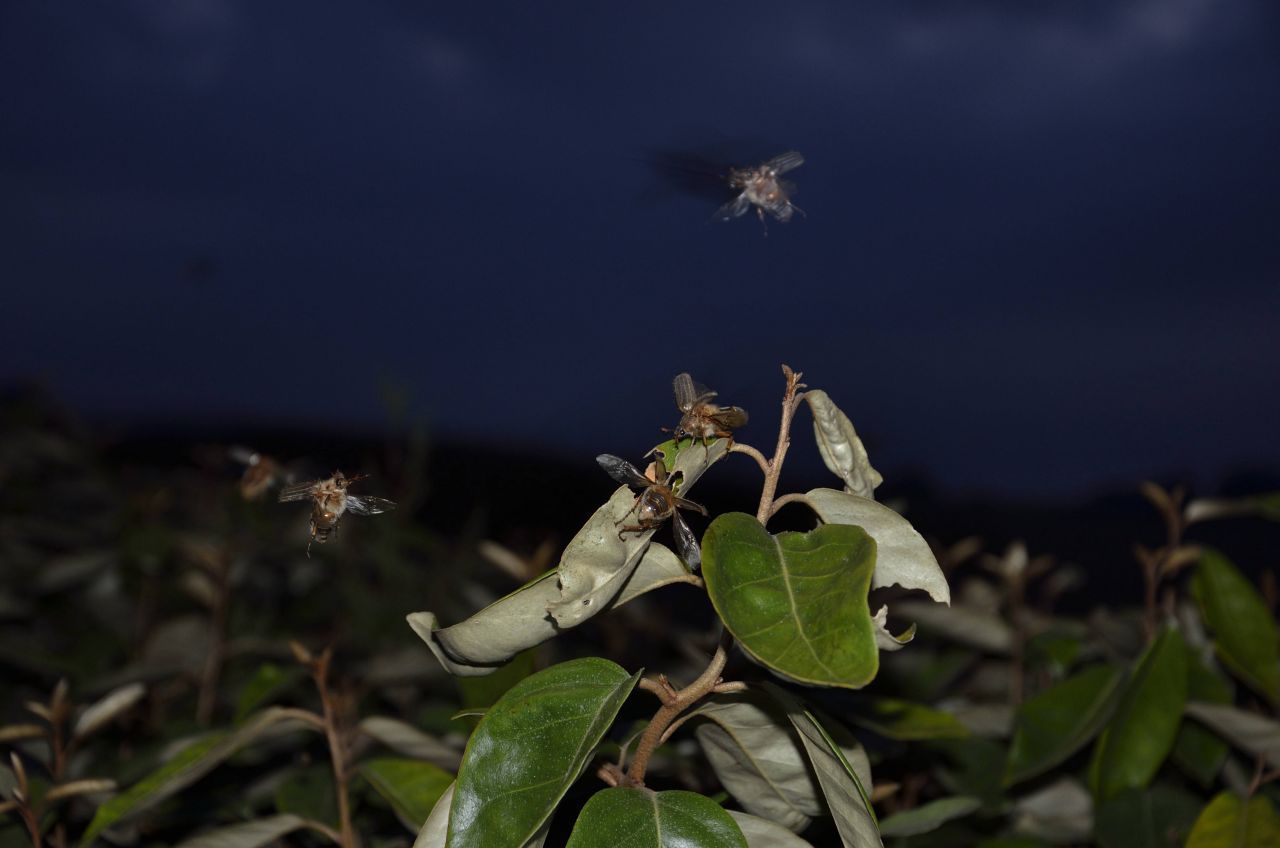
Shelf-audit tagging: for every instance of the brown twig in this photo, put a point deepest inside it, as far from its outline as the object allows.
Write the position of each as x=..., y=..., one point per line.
x=790, y=402
x=739, y=447
x=672, y=705
x=319, y=668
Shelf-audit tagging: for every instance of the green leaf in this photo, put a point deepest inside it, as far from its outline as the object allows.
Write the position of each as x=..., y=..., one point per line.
x=759, y=759
x=251, y=834
x=903, y=720
x=1061, y=720
x=928, y=817
x=530, y=747
x=485, y=691
x=308, y=792
x=1247, y=731
x=1229, y=822
x=412, y=787
x=1145, y=723
x=1244, y=631
x=267, y=682
x=640, y=818
x=1158, y=817
x=1197, y=750
x=903, y=557
x=841, y=449
x=845, y=791
x=762, y=833
x=796, y=602
x=188, y=766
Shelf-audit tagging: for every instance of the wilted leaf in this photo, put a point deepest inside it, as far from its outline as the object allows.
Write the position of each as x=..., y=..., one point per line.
x=796, y=602
x=252, y=834
x=514, y=771
x=841, y=449
x=903, y=558
x=1249, y=732
x=412, y=787
x=895, y=719
x=408, y=740
x=762, y=833
x=1244, y=631
x=930, y=816
x=845, y=791
x=490, y=638
x=641, y=818
x=1230, y=822
x=188, y=766
x=1141, y=732
x=1061, y=720
x=1158, y=817
x=106, y=709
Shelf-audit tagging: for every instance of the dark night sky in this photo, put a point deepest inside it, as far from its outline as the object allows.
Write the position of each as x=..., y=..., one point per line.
x=1042, y=250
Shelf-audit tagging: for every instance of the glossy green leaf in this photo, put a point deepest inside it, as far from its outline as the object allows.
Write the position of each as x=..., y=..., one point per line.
x=485, y=691
x=640, y=818
x=1250, y=732
x=795, y=602
x=188, y=766
x=1230, y=822
x=903, y=720
x=251, y=834
x=1244, y=630
x=846, y=793
x=412, y=787
x=530, y=747
x=1199, y=751
x=762, y=833
x=759, y=759
x=1142, y=730
x=1061, y=720
x=928, y=817
x=1157, y=817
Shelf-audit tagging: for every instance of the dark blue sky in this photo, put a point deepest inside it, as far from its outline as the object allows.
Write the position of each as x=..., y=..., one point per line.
x=1042, y=249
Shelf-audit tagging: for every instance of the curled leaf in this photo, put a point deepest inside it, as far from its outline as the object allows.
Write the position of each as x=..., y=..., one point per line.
x=841, y=449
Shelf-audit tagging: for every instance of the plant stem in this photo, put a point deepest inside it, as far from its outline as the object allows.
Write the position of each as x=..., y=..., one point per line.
x=790, y=402
x=337, y=749
x=674, y=703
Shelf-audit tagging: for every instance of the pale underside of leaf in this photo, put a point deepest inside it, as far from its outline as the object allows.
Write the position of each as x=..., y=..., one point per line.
x=107, y=708
x=762, y=833
x=598, y=571
x=1250, y=732
x=251, y=834
x=841, y=449
x=903, y=557
x=408, y=740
